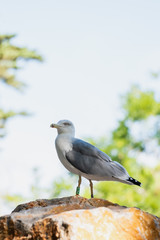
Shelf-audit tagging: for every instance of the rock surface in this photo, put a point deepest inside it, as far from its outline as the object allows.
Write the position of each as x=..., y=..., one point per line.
x=78, y=218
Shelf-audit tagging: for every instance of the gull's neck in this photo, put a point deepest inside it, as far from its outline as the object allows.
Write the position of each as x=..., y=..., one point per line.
x=66, y=135
x=64, y=142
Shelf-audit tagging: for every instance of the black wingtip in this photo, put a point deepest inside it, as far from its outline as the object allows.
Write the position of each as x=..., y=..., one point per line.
x=134, y=181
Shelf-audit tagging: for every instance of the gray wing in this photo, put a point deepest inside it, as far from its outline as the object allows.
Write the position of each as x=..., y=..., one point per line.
x=90, y=160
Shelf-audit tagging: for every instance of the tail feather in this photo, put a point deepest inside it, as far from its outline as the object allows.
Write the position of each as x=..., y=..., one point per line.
x=134, y=181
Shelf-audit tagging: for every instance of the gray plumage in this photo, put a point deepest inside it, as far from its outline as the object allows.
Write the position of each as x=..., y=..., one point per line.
x=90, y=160
x=84, y=159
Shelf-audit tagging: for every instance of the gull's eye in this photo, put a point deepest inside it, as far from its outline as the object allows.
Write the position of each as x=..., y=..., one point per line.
x=67, y=124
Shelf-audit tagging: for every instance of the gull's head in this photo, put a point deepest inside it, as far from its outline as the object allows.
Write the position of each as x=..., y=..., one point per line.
x=64, y=126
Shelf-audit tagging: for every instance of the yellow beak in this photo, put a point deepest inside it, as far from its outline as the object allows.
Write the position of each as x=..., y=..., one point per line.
x=53, y=125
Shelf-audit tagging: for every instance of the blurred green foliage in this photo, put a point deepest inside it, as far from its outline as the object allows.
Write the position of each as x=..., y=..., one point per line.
x=62, y=187
x=11, y=58
x=140, y=105
x=132, y=138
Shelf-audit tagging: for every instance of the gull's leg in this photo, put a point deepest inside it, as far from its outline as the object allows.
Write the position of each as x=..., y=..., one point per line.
x=91, y=187
x=78, y=187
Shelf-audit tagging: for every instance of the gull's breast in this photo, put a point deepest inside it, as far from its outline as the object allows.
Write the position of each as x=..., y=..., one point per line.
x=64, y=145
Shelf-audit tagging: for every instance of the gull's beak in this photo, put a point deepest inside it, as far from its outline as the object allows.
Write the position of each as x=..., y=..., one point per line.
x=53, y=125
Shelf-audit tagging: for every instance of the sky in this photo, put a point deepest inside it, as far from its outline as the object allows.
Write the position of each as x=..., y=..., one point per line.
x=93, y=51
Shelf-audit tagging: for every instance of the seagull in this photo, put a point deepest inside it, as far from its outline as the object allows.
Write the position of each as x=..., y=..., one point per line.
x=85, y=160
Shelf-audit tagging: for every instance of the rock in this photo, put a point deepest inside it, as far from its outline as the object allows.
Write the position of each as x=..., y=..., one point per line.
x=78, y=218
